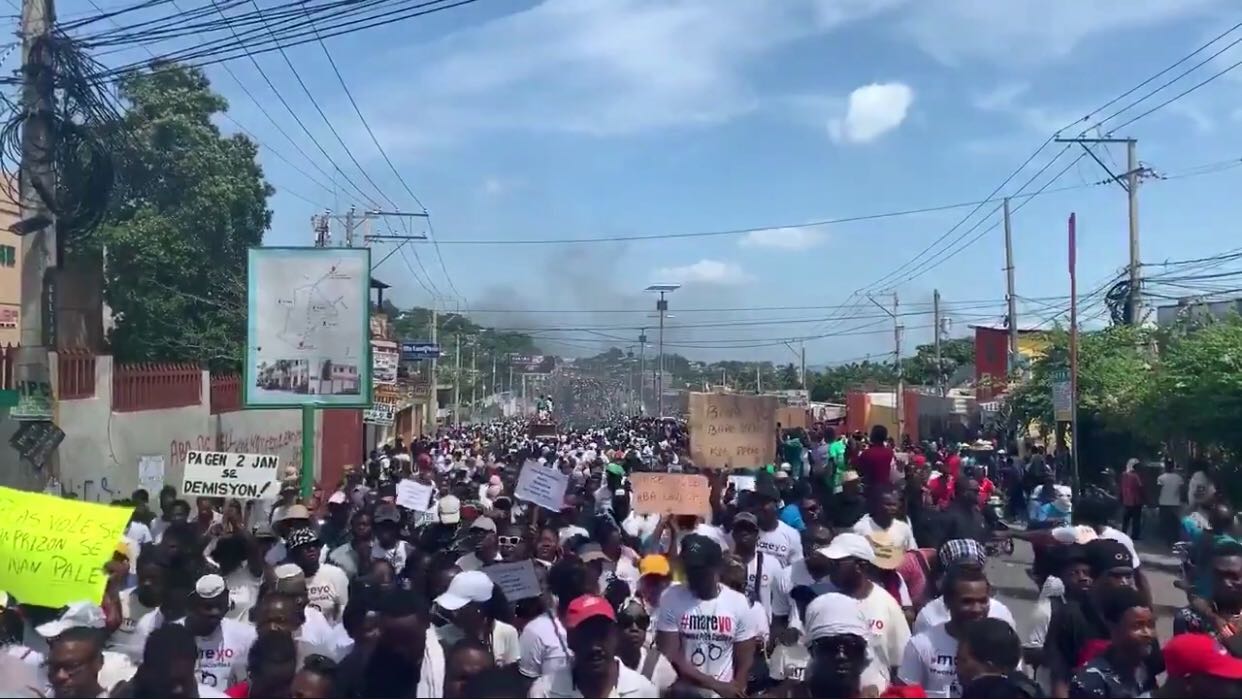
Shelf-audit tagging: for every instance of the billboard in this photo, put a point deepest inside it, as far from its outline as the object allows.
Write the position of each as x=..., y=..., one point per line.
x=308, y=336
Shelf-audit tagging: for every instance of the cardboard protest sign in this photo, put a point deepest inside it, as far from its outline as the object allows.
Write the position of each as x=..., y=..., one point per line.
x=792, y=416
x=543, y=485
x=413, y=495
x=732, y=431
x=225, y=475
x=670, y=494
x=516, y=579
x=52, y=550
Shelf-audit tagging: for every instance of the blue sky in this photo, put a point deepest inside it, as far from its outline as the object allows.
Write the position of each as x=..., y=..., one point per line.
x=596, y=118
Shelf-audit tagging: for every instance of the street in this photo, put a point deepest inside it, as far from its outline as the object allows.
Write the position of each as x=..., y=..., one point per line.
x=1016, y=589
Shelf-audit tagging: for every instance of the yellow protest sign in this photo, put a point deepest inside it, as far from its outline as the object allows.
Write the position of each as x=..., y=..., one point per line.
x=52, y=550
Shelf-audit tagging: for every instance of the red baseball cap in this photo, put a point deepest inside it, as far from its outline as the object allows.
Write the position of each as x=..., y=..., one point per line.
x=424, y=462
x=588, y=607
x=1200, y=654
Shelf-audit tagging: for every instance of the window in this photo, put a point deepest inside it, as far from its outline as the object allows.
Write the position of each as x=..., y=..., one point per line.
x=8, y=255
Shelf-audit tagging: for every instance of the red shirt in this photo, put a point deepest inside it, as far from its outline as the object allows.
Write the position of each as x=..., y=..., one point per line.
x=875, y=465
x=238, y=691
x=1131, y=489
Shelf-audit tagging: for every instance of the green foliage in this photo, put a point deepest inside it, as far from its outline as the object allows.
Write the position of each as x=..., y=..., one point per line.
x=1196, y=391
x=188, y=204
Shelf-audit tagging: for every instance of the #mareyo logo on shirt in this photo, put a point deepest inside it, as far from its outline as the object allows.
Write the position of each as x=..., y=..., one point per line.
x=707, y=626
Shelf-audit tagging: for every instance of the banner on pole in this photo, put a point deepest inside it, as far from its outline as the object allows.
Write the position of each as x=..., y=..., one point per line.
x=227, y=475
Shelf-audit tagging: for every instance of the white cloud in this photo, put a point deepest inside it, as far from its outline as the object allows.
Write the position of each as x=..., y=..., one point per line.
x=495, y=186
x=873, y=110
x=800, y=238
x=1026, y=32
x=603, y=67
x=704, y=271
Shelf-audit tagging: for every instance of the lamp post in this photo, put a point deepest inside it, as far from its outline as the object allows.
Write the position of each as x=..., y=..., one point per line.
x=661, y=307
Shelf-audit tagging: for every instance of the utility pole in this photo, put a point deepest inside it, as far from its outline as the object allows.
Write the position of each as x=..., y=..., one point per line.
x=642, y=371
x=457, y=382
x=494, y=391
x=349, y=228
x=898, y=399
x=37, y=228
x=936, y=341
x=1129, y=181
x=662, y=308
x=433, y=405
x=1009, y=294
x=474, y=378
x=758, y=379
x=802, y=370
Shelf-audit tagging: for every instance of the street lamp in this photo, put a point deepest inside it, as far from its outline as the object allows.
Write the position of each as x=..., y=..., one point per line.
x=662, y=308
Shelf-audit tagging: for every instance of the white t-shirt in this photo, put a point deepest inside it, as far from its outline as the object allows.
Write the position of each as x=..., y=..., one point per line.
x=125, y=639
x=890, y=632
x=1068, y=535
x=899, y=532
x=138, y=533
x=936, y=612
x=930, y=660
x=561, y=684
x=1170, y=489
x=471, y=561
x=782, y=543
x=663, y=675
x=790, y=662
x=772, y=570
x=796, y=575
x=708, y=628
x=543, y=645
x=506, y=646
x=243, y=593
x=222, y=655
x=328, y=590
x=639, y=526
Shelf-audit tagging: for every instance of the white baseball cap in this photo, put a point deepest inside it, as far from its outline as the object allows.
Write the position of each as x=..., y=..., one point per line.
x=466, y=587
x=449, y=509
x=849, y=545
x=78, y=614
x=210, y=586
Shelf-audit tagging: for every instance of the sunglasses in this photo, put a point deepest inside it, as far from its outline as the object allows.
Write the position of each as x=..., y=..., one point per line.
x=508, y=540
x=849, y=645
x=631, y=622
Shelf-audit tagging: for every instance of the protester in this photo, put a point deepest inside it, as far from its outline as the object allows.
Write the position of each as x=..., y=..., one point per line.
x=595, y=670
x=929, y=659
x=989, y=659
x=471, y=606
x=1121, y=669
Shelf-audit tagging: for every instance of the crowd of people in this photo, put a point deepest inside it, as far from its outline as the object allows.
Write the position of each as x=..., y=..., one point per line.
x=846, y=568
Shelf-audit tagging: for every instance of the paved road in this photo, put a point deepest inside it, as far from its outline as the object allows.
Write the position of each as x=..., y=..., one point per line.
x=1015, y=588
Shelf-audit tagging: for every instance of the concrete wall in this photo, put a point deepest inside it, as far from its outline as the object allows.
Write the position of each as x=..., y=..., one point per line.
x=98, y=460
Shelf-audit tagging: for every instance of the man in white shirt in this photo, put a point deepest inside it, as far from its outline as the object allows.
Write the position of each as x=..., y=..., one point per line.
x=78, y=634
x=955, y=554
x=223, y=644
x=1170, y=501
x=327, y=585
x=595, y=670
x=777, y=539
x=930, y=659
x=761, y=569
x=882, y=519
x=704, y=627
x=851, y=555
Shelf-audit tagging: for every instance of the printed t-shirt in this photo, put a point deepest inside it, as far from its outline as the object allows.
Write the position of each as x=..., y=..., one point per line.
x=930, y=661
x=708, y=628
x=328, y=590
x=782, y=543
x=222, y=655
x=772, y=569
x=936, y=612
x=890, y=632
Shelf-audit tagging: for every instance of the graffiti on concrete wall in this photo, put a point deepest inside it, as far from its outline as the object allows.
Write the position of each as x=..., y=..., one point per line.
x=90, y=490
x=284, y=442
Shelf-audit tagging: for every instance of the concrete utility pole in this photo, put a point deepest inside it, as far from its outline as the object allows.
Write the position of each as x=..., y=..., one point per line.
x=1009, y=294
x=642, y=371
x=457, y=382
x=1129, y=181
x=936, y=341
x=758, y=379
x=474, y=377
x=494, y=391
x=802, y=370
x=661, y=308
x=433, y=405
x=39, y=247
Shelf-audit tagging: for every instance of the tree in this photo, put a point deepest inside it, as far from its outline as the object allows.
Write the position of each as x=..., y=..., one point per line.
x=788, y=377
x=954, y=354
x=188, y=204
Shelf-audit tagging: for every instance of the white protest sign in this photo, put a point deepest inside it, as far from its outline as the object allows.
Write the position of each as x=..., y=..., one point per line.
x=225, y=475
x=380, y=413
x=741, y=483
x=516, y=579
x=151, y=473
x=413, y=495
x=543, y=485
